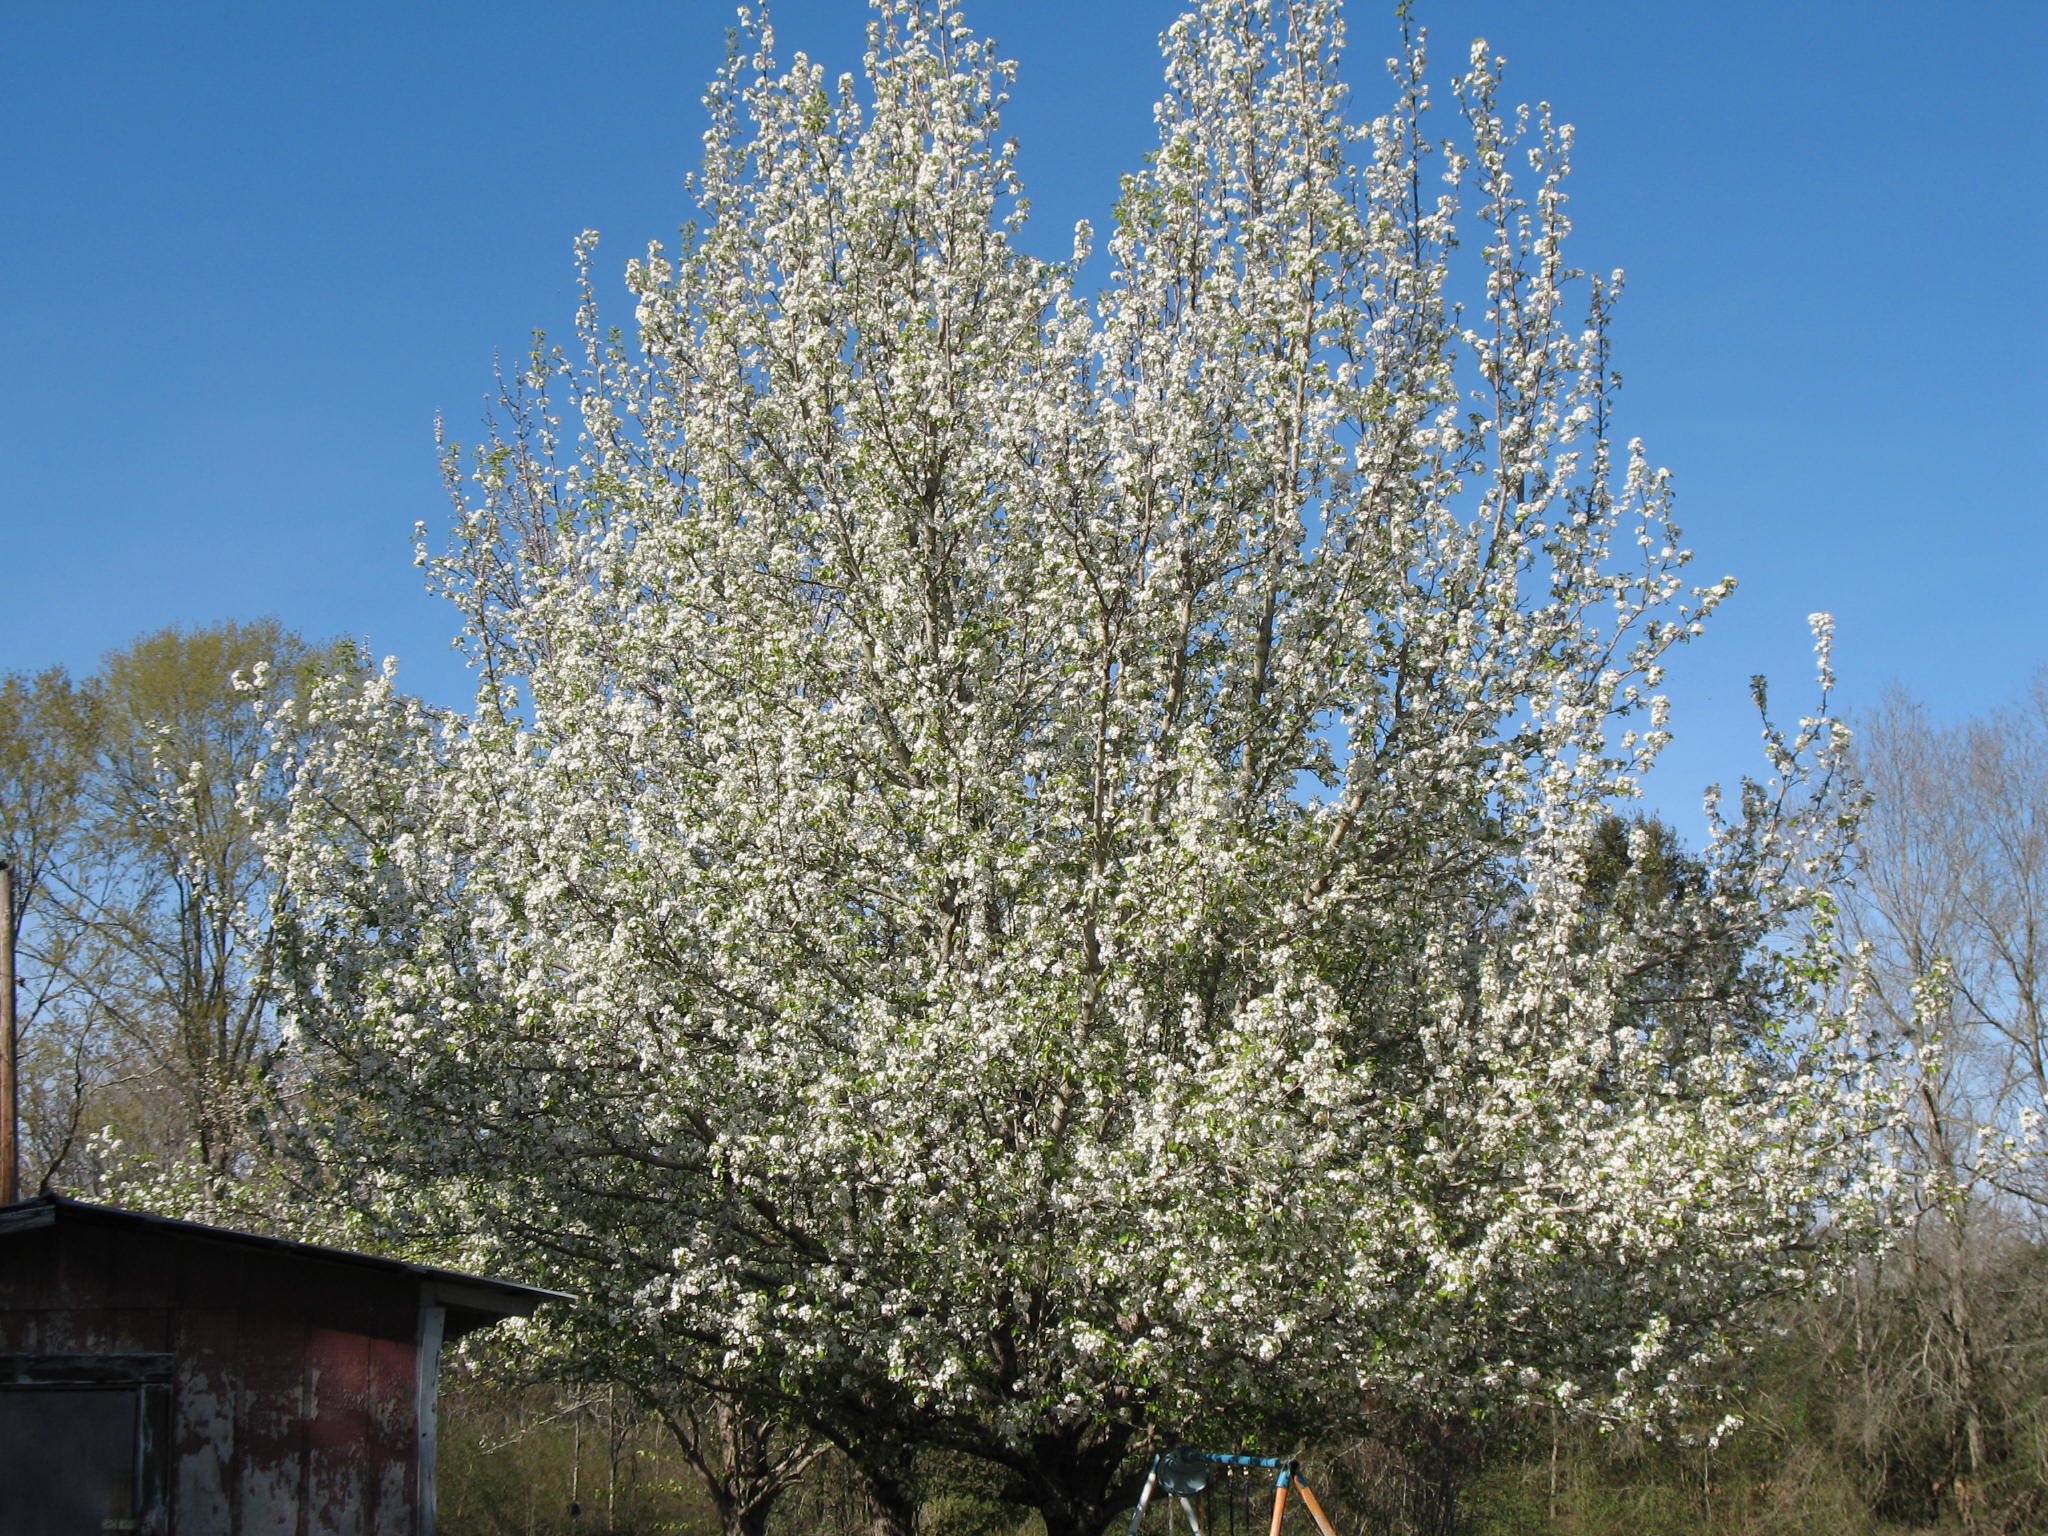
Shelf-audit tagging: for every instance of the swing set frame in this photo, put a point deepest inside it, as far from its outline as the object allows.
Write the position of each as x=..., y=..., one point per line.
x=1182, y=1472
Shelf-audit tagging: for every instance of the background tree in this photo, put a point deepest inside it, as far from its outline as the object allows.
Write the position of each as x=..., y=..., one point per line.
x=144, y=898
x=1694, y=973
x=1019, y=879
x=1952, y=895
x=48, y=736
x=1952, y=900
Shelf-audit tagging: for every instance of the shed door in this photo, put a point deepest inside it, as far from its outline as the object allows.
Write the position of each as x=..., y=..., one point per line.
x=73, y=1461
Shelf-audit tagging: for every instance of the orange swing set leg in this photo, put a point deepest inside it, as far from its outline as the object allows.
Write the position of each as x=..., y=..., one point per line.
x=1308, y=1497
x=1314, y=1508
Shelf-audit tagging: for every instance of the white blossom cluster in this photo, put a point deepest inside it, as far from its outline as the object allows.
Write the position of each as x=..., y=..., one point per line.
x=1023, y=856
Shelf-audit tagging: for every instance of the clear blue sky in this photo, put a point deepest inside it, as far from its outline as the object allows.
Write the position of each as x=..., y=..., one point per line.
x=250, y=249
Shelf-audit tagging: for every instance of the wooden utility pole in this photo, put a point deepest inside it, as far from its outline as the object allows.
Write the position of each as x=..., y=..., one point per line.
x=10, y=1094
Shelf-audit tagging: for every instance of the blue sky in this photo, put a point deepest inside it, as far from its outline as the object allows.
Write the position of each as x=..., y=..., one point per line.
x=250, y=250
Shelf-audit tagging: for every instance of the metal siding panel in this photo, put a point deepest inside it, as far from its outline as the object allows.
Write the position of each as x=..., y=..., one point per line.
x=392, y=1432
x=25, y=1332
x=204, y=1448
x=99, y=1268
x=270, y=1473
x=28, y=1271
x=103, y=1331
x=338, y=1434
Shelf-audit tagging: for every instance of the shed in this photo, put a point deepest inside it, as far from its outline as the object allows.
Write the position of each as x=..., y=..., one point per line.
x=177, y=1379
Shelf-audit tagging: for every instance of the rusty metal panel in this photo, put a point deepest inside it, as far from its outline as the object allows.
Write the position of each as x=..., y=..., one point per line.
x=56, y=1301
x=203, y=1441
x=95, y=1269
x=391, y=1436
x=105, y=1330
x=28, y=1274
x=271, y=1446
x=338, y=1470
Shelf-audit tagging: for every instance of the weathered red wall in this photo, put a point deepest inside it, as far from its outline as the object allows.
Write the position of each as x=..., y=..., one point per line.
x=293, y=1405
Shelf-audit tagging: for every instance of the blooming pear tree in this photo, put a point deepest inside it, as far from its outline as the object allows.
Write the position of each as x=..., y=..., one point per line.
x=1017, y=880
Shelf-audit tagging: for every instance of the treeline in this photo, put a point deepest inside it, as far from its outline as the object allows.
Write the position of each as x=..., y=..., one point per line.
x=1913, y=1399
x=1867, y=1414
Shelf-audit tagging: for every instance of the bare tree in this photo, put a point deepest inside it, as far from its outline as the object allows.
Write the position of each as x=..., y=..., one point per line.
x=1953, y=901
x=747, y=1463
x=1953, y=906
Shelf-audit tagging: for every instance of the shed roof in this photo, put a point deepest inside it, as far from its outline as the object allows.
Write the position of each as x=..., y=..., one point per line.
x=472, y=1300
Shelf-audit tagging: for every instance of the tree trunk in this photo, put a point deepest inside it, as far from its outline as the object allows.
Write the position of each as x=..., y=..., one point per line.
x=752, y=1520
x=888, y=1474
x=1075, y=1480
x=1969, y=1410
x=892, y=1507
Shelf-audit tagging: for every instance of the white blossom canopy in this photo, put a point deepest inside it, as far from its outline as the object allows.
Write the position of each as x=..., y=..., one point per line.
x=1024, y=856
